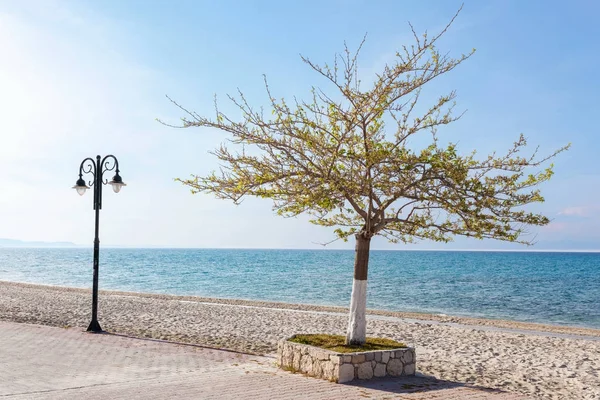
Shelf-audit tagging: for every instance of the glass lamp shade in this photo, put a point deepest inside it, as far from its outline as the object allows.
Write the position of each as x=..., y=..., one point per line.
x=117, y=185
x=80, y=190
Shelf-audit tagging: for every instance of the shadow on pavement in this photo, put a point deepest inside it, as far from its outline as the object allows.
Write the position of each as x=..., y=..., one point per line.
x=414, y=384
x=167, y=341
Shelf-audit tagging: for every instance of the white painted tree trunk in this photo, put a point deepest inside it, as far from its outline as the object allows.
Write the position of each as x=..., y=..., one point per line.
x=357, y=323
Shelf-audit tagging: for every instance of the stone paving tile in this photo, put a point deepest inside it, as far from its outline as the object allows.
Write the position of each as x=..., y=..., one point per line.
x=40, y=362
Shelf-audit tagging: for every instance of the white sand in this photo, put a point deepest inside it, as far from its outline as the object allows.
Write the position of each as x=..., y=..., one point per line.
x=539, y=365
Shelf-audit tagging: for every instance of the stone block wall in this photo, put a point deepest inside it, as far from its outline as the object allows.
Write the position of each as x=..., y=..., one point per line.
x=345, y=367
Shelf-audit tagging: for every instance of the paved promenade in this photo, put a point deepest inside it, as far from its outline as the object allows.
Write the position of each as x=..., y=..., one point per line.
x=40, y=362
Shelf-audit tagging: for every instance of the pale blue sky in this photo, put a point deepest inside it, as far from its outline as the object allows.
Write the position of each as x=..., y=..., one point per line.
x=80, y=78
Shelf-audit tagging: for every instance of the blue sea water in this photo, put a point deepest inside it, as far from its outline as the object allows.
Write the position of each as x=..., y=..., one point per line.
x=557, y=288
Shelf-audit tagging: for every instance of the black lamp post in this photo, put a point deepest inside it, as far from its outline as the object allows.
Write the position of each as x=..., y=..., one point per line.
x=97, y=169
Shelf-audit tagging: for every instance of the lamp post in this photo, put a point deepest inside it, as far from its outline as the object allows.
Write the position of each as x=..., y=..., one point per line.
x=97, y=169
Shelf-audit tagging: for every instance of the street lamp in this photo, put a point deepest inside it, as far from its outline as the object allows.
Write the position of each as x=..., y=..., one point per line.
x=97, y=169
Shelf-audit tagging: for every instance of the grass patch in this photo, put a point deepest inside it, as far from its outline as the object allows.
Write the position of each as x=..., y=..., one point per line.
x=338, y=344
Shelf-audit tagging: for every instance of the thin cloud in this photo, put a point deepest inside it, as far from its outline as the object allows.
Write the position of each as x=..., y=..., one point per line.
x=574, y=211
x=579, y=211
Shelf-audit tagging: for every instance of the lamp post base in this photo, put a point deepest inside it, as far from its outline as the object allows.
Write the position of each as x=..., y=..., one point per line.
x=94, y=327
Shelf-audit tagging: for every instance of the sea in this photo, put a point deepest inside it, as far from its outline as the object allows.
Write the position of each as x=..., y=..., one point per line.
x=547, y=287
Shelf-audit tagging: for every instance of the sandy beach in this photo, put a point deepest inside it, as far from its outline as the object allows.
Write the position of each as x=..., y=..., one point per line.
x=542, y=361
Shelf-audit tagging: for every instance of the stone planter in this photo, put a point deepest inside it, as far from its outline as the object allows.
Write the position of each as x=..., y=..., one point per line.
x=344, y=367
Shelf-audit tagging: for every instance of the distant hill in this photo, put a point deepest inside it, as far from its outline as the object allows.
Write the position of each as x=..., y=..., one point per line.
x=22, y=243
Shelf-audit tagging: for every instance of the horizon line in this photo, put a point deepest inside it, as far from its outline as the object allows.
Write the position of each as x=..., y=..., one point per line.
x=161, y=247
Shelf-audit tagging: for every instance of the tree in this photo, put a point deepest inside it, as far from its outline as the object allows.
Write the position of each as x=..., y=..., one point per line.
x=344, y=158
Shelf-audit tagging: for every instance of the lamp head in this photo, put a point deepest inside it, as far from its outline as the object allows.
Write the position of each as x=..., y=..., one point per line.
x=80, y=186
x=117, y=183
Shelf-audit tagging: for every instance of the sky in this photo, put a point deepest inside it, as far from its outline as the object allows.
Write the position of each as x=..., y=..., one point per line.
x=80, y=78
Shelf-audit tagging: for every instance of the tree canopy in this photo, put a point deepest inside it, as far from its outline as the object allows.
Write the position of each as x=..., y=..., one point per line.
x=344, y=157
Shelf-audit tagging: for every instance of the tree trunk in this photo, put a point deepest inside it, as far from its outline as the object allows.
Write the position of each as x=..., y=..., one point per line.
x=357, y=324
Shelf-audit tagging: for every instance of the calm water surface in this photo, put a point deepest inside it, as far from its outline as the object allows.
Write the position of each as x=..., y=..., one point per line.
x=559, y=288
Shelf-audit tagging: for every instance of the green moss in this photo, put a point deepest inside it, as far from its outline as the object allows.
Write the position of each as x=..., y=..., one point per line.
x=338, y=344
